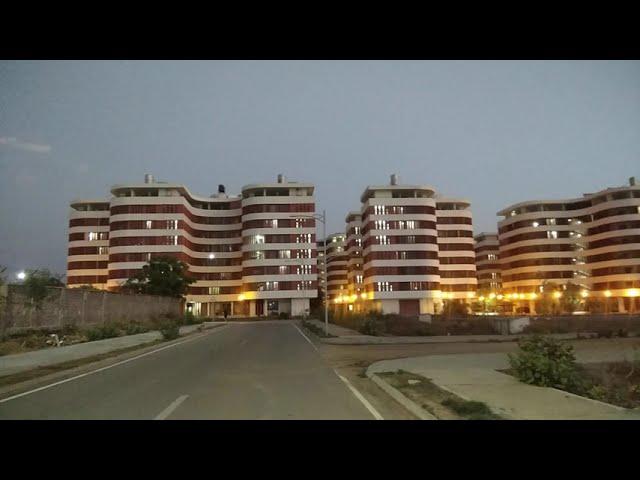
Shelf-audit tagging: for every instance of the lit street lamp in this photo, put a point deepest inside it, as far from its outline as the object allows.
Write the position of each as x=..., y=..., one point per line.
x=21, y=275
x=322, y=218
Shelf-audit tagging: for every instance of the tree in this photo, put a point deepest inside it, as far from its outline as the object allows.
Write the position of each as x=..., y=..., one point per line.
x=166, y=276
x=2, y=270
x=36, y=283
x=547, y=303
x=571, y=298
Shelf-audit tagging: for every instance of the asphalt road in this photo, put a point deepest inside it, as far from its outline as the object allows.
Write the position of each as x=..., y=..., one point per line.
x=240, y=371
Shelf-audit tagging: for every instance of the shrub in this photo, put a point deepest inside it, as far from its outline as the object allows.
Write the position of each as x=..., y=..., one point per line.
x=371, y=326
x=190, y=319
x=135, y=328
x=102, y=332
x=546, y=362
x=170, y=330
x=470, y=409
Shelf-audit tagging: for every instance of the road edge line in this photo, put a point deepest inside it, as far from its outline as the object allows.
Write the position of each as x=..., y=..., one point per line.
x=306, y=338
x=360, y=397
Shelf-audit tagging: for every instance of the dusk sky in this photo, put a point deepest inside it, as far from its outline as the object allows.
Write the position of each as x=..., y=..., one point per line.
x=494, y=132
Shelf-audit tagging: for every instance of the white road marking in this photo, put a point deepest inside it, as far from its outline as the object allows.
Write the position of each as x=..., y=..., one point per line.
x=306, y=338
x=170, y=409
x=359, y=396
x=45, y=387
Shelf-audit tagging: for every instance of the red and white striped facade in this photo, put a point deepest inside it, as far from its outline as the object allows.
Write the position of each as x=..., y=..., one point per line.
x=592, y=241
x=336, y=266
x=408, y=261
x=487, y=251
x=250, y=254
x=455, y=249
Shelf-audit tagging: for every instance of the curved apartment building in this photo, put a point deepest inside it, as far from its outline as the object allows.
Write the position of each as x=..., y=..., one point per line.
x=591, y=241
x=488, y=271
x=215, y=236
x=355, y=273
x=455, y=249
x=88, y=252
x=400, y=249
x=279, y=250
x=337, y=267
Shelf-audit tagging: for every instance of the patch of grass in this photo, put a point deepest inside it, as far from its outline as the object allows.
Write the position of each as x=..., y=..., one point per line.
x=316, y=330
x=440, y=403
x=469, y=409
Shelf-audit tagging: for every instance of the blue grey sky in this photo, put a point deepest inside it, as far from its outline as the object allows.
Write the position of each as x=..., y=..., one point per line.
x=495, y=132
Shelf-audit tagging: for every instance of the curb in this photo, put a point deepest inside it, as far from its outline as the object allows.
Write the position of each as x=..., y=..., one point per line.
x=399, y=397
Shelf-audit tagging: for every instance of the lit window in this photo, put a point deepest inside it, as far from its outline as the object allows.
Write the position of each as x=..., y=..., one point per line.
x=103, y=250
x=214, y=290
x=283, y=270
x=382, y=239
x=91, y=236
x=552, y=234
x=148, y=224
x=284, y=254
x=172, y=224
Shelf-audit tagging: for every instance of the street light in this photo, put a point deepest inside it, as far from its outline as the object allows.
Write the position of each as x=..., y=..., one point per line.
x=322, y=218
x=21, y=275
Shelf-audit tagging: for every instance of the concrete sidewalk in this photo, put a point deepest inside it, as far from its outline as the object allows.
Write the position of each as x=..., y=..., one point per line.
x=474, y=377
x=20, y=362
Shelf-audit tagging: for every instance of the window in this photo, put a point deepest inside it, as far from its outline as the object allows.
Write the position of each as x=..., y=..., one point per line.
x=270, y=286
x=214, y=290
x=284, y=254
x=283, y=270
x=304, y=285
x=492, y=256
x=103, y=250
x=358, y=278
x=552, y=234
x=303, y=238
x=256, y=239
x=257, y=255
x=382, y=240
x=381, y=225
x=148, y=257
x=551, y=221
x=148, y=224
x=304, y=270
x=172, y=240
x=378, y=209
x=172, y=224
x=384, y=287
x=91, y=236
x=274, y=223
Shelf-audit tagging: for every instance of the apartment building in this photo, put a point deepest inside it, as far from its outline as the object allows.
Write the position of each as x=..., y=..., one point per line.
x=488, y=273
x=337, y=269
x=592, y=241
x=251, y=254
x=355, y=272
x=455, y=249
